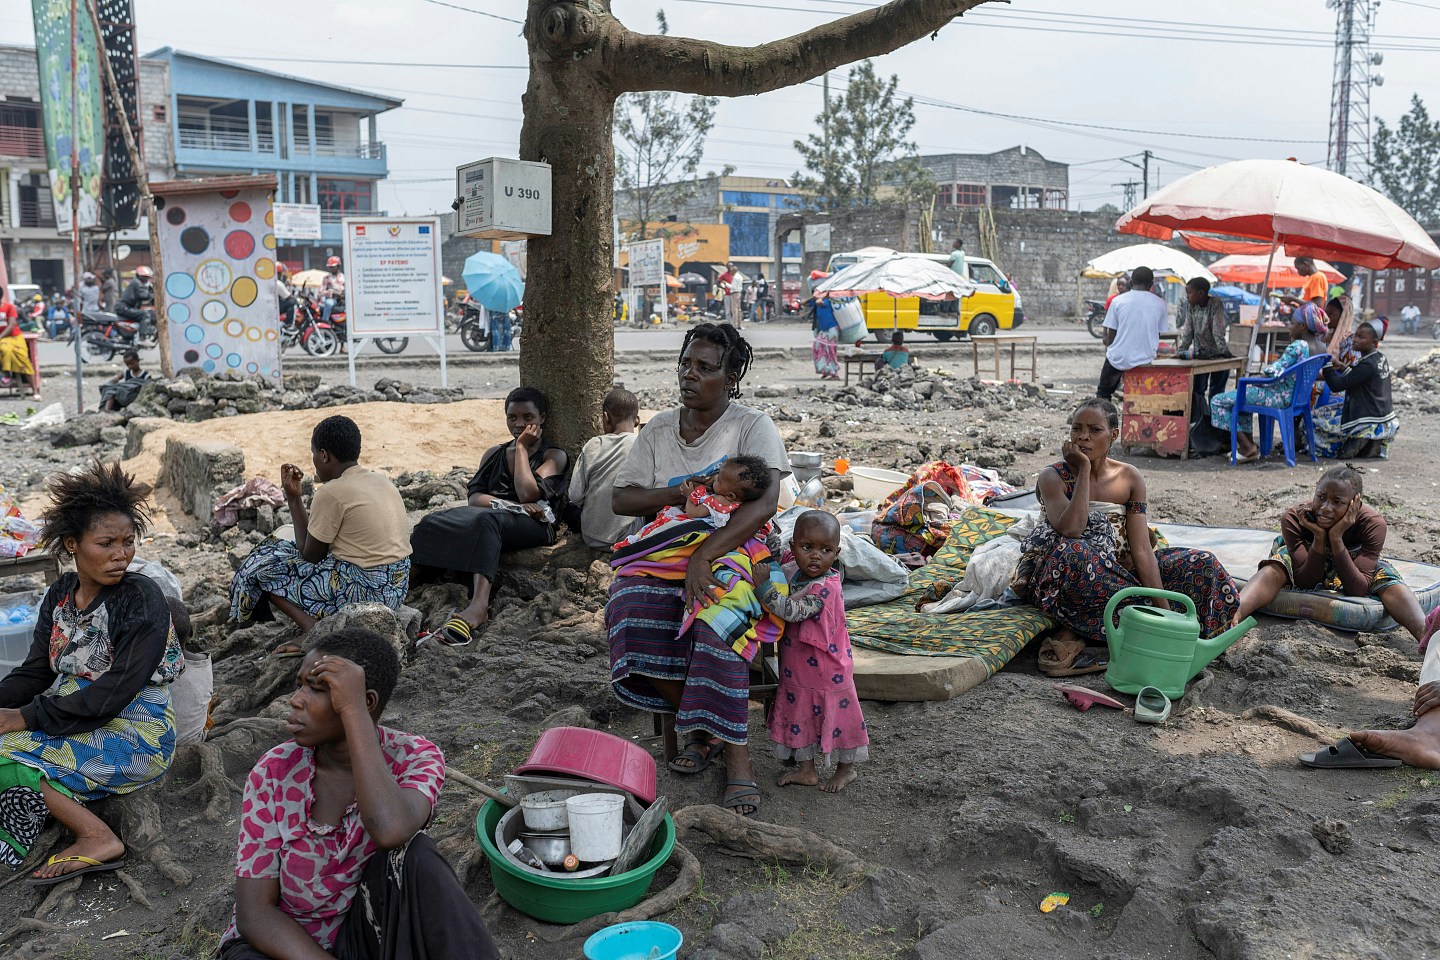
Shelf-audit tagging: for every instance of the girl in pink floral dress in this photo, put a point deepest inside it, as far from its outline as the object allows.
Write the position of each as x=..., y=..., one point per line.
x=816, y=710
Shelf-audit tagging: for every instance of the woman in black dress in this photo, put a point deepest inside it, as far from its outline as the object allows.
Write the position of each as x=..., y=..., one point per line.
x=513, y=504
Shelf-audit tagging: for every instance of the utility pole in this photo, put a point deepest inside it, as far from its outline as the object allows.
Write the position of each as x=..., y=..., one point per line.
x=1129, y=186
x=1145, y=176
x=1349, y=150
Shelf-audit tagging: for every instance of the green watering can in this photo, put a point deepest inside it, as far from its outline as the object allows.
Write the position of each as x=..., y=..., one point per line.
x=1160, y=648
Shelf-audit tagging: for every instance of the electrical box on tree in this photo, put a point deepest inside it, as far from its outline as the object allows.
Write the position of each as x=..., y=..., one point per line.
x=502, y=199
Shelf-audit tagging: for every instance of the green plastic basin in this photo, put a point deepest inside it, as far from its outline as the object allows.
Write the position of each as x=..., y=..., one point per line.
x=568, y=901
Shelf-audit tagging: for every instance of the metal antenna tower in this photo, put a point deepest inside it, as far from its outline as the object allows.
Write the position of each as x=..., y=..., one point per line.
x=1349, y=151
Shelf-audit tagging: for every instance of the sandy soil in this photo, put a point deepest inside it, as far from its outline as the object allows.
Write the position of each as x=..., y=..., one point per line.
x=1202, y=838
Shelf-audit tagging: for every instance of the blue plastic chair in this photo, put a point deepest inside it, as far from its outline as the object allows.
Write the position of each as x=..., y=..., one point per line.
x=1304, y=373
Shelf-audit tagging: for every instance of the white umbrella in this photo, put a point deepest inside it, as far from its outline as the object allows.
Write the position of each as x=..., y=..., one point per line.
x=899, y=276
x=1160, y=259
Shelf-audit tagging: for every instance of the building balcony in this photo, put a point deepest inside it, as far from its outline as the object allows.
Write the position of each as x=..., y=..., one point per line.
x=229, y=149
x=26, y=142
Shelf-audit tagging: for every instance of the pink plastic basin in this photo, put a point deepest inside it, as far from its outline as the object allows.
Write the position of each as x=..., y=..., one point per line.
x=594, y=755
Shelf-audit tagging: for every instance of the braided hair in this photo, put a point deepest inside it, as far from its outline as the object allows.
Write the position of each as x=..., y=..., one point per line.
x=735, y=352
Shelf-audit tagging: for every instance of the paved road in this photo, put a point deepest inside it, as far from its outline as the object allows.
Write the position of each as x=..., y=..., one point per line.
x=761, y=335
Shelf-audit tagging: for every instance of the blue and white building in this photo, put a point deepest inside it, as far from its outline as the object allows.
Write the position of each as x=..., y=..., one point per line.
x=320, y=140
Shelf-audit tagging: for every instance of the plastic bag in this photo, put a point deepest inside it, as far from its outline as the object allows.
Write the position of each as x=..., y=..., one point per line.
x=169, y=583
x=51, y=416
x=190, y=696
x=17, y=535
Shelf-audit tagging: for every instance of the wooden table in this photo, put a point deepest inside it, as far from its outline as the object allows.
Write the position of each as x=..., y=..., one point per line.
x=862, y=362
x=1156, y=411
x=998, y=340
x=38, y=561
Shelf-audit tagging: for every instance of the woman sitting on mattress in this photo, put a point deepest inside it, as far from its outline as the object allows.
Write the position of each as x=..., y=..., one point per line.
x=1093, y=540
x=1333, y=542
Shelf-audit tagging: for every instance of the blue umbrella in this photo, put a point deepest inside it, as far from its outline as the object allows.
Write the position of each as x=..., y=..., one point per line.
x=494, y=282
x=1235, y=295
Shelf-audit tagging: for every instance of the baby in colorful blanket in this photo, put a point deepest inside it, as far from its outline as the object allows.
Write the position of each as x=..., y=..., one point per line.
x=739, y=480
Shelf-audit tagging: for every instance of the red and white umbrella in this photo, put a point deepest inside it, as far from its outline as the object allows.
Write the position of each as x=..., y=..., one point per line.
x=1252, y=267
x=1312, y=211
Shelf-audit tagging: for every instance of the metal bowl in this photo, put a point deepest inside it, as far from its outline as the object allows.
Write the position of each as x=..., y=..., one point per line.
x=551, y=848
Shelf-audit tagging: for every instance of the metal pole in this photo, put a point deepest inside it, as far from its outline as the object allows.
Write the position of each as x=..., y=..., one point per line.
x=75, y=182
x=1264, y=298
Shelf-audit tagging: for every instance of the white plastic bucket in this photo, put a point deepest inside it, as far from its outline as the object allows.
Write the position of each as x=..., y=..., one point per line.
x=596, y=823
x=546, y=810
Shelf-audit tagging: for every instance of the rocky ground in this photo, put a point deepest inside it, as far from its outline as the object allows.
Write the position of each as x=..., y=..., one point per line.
x=1201, y=838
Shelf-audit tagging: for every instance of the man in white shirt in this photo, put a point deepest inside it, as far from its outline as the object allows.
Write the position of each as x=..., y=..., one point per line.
x=1132, y=330
x=1410, y=318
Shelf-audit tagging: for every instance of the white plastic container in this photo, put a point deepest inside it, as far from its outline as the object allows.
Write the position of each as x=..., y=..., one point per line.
x=545, y=809
x=597, y=822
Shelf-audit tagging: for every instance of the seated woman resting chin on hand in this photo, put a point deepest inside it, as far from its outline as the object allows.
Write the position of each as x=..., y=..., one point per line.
x=1093, y=540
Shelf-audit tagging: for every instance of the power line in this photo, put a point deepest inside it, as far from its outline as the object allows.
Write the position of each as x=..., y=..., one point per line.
x=482, y=13
x=385, y=63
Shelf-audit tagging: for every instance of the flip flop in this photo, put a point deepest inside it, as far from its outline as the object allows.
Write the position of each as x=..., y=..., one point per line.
x=1151, y=706
x=1086, y=662
x=92, y=866
x=702, y=753
x=749, y=797
x=1083, y=698
x=1345, y=755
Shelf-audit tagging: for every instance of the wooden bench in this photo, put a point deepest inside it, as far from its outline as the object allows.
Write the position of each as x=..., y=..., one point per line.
x=43, y=563
x=864, y=363
x=997, y=341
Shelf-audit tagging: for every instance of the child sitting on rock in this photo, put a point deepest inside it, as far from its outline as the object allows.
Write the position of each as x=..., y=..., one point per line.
x=594, y=476
x=816, y=710
x=1333, y=542
x=739, y=480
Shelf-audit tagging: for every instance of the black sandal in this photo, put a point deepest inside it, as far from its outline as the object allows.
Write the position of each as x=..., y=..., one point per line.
x=701, y=754
x=748, y=797
x=456, y=632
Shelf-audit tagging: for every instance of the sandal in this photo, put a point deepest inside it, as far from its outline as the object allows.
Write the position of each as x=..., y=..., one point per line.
x=91, y=866
x=747, y=796
x=456, y=632
x=701, y=754
x=1086, y=662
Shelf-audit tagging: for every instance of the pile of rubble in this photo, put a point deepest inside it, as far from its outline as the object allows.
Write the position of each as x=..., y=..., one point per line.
x=915, y=388
x=196, y=395
x=1416, y=385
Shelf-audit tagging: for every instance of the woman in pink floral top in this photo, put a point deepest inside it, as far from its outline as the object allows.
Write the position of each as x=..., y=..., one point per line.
x=319, y=807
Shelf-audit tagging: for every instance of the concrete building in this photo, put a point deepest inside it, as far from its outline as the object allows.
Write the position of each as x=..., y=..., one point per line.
x=749, y=206
x=1015, y=179
x=318, y=139
x=35, y=252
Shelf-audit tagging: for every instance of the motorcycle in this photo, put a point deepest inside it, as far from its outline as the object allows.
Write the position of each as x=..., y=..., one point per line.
x=388, y=345
x=104, y=334
x=472, y=330
x=1095, y=319
x=303, y=325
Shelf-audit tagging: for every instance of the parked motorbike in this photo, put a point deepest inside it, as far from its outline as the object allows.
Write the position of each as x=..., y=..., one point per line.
x=1095, y=319
x=472, y=331
x=303, y=325
x=104, y=334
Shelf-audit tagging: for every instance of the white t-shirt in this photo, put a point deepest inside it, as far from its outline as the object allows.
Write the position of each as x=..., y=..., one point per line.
x=1410, y=312
x=1137, y=317
x=660, y=458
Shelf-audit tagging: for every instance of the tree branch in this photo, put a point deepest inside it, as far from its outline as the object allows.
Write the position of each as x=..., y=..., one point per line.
x=636, y=61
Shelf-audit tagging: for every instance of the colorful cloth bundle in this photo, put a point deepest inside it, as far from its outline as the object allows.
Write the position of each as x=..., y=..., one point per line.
x=735, y=614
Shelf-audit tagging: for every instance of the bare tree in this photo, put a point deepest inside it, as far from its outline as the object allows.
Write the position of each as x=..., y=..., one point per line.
x=659, y=143
x=581, y=59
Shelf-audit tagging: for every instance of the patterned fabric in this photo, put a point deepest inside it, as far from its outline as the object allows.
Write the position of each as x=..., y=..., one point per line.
x=82, y=644
x=131, y=751
x=1104, y=527
x=991, y=636
x=322, y=588
x=901, y=521
x=735, y=614
x=720, y=510
x=1332, y=436
x=825, y=352
x=642, y=617
x=1277, y=394
x=817, y=710
x=318, y=865
x=23, y=813
x=1386, y=575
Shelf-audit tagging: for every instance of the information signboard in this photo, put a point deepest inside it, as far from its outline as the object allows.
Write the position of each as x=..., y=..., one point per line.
x=503, y=199
x=297, y=221
x=647, y=263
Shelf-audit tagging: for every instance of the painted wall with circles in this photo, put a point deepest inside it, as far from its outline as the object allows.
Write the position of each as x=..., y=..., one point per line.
x=220, y=296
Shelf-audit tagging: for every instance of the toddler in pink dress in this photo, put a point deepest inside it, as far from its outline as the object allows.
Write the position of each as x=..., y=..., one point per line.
x=816, y=710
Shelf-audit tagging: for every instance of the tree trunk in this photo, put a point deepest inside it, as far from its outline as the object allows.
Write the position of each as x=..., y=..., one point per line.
x=568, y=348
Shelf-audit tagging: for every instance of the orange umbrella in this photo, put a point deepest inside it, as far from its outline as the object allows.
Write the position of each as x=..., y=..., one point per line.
x=672, y=281
x=1250, y=268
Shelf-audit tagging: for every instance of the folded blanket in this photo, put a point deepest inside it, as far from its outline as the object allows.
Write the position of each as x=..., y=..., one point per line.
x=735, y=614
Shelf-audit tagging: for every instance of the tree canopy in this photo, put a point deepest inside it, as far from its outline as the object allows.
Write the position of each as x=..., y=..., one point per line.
x=1406, y=162
x=863, y=144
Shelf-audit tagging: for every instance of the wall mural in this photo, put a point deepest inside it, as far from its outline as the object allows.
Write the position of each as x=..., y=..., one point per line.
x=220, y=299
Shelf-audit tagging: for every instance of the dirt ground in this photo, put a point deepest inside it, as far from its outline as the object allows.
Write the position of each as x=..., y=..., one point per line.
x=1201, y=838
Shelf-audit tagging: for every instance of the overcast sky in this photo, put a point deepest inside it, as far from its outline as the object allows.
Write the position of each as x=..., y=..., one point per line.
x=1187, y=80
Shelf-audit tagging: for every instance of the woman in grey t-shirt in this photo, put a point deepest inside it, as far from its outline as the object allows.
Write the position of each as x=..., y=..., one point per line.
x=696, y=676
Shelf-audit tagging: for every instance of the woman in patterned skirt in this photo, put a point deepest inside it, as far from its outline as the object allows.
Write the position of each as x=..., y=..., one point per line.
x=1093, y=540
x=106, y=636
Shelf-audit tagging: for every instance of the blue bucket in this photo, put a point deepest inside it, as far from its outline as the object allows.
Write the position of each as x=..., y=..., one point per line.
x=643, y=940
